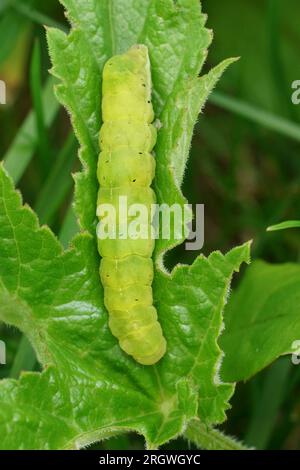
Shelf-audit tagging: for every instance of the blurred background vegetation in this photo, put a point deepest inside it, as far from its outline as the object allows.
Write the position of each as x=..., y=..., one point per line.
x=244, y=167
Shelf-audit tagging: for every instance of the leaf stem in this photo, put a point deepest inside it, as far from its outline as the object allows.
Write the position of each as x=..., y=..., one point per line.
x=208, y=438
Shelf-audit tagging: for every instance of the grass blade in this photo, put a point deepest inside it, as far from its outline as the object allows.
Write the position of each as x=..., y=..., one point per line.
x=37, y=17
x=23, y=147
x=4, y=5
x=267, y=406
x=264, y=118
x=11, y=26
x=59, y=178
x=284, y=225
x=36, y=93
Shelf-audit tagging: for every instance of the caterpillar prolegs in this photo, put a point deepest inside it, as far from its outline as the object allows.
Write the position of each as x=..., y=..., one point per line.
x=126, y=167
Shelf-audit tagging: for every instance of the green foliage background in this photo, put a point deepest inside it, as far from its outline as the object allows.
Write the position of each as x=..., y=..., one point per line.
x=244, y=167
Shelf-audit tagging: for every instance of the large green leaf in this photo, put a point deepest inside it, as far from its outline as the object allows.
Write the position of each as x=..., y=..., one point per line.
x=177, y=40
x=92, y=388
x=89, y=388
x=262, y=319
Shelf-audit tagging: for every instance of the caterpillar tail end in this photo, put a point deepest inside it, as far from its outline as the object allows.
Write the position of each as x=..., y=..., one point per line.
x=146, y=350
x=139, y=333
x=154, y=358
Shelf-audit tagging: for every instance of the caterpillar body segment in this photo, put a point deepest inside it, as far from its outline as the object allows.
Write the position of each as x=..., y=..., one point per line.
x=126, y=167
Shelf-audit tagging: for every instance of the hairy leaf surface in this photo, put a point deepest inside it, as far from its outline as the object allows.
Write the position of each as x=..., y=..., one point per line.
x=89, y=389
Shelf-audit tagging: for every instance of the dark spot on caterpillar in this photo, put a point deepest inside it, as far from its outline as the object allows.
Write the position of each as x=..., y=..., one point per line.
x=136, y=300
x=144, y=85
x=148, y=101
x=134, y=180
x=140, y=153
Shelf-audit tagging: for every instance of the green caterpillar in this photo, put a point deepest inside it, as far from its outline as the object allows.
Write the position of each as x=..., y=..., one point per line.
x=126, y=167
